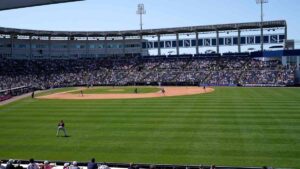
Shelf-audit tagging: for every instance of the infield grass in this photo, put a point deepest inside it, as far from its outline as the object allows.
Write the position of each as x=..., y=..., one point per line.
x=231, y=126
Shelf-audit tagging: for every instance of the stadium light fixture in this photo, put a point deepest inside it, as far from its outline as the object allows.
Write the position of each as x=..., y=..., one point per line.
x=141, y=11
x=261, y=3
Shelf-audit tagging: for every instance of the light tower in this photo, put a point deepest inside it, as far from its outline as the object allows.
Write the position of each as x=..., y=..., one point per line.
x=261, y=3
x=141, y=11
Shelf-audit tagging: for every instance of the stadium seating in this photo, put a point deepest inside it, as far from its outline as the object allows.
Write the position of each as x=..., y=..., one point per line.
x=220, y=71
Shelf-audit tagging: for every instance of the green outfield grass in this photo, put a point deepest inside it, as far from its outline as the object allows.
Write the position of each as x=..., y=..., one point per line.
x=113, y=90
x=231, y=126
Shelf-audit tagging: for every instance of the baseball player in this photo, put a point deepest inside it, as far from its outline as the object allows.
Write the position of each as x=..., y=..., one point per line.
x=61, y=127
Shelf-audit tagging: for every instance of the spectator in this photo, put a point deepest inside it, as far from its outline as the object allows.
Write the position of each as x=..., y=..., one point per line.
x=10, y=164
x=1, y=166
x=66, y=166
x=152, y=167
x=19, y=165
x=32, y=164
x=92, y=164
x=103, y=166
x=46, y=165
x=74, y=165
x=131, y=166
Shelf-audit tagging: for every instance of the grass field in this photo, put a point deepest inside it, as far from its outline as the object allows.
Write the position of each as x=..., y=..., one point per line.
x=124, y=90
x=231, y=126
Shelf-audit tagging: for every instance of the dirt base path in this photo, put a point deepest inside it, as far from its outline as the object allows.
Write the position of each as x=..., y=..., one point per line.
x=169, y=91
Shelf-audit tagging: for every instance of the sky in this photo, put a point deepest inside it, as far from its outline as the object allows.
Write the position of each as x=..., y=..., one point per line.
x=105, y=15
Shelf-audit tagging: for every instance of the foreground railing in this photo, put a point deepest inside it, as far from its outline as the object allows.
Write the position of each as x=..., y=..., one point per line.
x=143, y=166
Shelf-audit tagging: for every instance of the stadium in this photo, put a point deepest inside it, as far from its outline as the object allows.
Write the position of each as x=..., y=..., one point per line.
x=192, y=97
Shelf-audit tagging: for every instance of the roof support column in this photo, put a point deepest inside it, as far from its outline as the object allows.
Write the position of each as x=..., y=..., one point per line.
x=262, y=37
x=49, y=47
x=87, y=46
x=141, y=45
x=217, y=42
x=69, y=46
x=158, y=41
x=105, y=46
x=284, y=60
x=239, y=40
x=30, y=46
x=286, y=33
x=298, y=62
x=197, y=43
x=177, y=44
x=12, y=45
x=124, y=44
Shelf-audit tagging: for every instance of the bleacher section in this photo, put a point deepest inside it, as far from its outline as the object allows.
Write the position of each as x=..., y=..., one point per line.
x=183, y=70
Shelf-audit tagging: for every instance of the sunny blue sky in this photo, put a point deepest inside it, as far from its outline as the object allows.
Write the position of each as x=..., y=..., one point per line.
x=101, y=15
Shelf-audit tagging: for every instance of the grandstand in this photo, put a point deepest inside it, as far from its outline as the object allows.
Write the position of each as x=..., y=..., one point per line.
x=183, y=70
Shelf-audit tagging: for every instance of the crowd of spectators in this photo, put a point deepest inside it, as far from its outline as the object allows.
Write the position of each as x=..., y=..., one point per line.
x=12, y=164
x=43, y=74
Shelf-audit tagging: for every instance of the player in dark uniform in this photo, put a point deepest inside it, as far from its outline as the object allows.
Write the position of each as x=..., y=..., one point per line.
x=32, y=95
x=163, y=91
x=61, y=126
x=135, y=90
x=81, y=92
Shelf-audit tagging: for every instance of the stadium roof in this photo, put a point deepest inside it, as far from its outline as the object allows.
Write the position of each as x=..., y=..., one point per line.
x=207, y=28
x=14, y=4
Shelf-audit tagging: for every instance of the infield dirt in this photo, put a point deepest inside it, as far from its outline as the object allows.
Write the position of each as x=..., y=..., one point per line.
x=169, y=91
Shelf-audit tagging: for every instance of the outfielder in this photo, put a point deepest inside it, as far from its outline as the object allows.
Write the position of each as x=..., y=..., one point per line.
x=61, y=126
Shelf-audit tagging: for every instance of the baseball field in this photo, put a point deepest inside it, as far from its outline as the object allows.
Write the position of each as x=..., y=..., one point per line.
x=229, y=126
